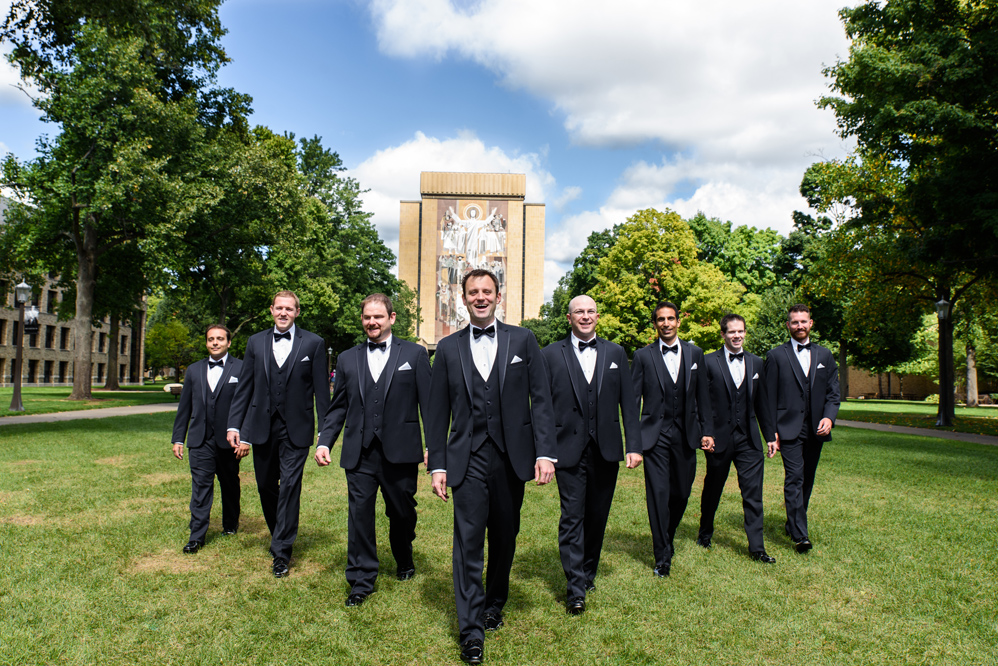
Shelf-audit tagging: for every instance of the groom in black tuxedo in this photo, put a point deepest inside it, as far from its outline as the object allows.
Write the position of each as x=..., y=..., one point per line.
x=381, y=387
x=490, y=392
x=202, y=415
x=591, y=392
x=802, y=380
x=284, y=371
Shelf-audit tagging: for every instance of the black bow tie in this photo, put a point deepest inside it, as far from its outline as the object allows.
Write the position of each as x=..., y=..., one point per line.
x=479, y=332
x=216, y=364
x=739, y=356
x=377, y=345
x=666, y=349
x=286, y=335
x=583, y=345
x=801, y=348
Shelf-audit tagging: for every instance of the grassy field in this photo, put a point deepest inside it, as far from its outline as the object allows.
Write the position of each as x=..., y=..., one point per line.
x=93, y=517
x=46, y=400
x=979, y=420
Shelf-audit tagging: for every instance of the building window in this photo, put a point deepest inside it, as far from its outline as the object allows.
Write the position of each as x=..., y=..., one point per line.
x=63, y=368
x=64, y=338
x=4, y=286
x=101, y=340
x=33, y=371
x=53, y=301
x=124, y=344
x=33, y=340
x=122, y=372
x=3, y=369
x=100, y=372
x=3, y=333
x=50, y=337
x=14, y=332
x=49, y=366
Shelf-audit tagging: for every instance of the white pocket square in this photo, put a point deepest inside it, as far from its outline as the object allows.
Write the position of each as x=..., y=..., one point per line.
x=305, y=359
x=233, y=380
x=516, y=359
x=405, y=366
x=613, y=366
x=694, y=367
x=755, y=376
x=820, y=366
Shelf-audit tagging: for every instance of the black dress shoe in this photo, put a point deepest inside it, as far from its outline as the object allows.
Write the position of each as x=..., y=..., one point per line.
x=703, y=541
x=590, y=586
x=472, y=651
x=229, y=532
x=355, y=599
x=492, y=620
x=663, y=570
x=576, y=606
x=280, y=567
x=802, y=546
x=193, y=547
x=761, y=556
x=405, y=574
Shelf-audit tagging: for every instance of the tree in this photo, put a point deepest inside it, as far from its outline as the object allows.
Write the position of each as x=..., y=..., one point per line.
x=745, y=254
x=655, y=259
x=169, y=345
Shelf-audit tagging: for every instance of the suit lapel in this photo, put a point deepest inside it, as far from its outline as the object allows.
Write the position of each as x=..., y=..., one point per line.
x=362, y=372
x=749, y=373
x=687, y=349
x=794, y=363
x=393, y=355
x=574, y=369
x=464, y=351
x=226, y=373
x=295, y=347
x=658, y=361
x=814, y=364
x=722, y=364
x=502, y=352
x=268, y=345
x=602, y=361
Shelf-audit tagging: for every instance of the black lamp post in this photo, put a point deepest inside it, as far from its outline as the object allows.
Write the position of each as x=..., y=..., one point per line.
x=329, y=363
x=22, y=293
x=946, y=397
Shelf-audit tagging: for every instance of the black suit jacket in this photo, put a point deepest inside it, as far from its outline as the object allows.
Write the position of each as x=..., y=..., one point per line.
x=407, y=392
x=307, y=380
x=192, y=412
x=614, y=400
x=785, y=383
x=648, y=372
x=528, y=426
x=722, y=388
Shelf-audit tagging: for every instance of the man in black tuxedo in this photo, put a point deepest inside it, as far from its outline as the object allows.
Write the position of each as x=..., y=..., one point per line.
x=490, y=391
x=202, y=415
x=802, y=381
x=590, y=382
x=381, y=387
x=739, y=404
x=284, y=370
x=670, y=383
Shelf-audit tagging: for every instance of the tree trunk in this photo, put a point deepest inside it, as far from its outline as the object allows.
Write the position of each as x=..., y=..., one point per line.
x=86, y=282
x=880, y=385
x=112, y=356
x=947, y=402
x=843, y=370
x=890, y=391
x=971, y=375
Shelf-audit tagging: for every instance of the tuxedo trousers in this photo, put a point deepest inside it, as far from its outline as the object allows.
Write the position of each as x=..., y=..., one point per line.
x=208, y=461
x=398, y=487
x=488, y=500
x=586, y=492
x=800, y=462
x=278, y=465
x=749, y=463
x=670, y=467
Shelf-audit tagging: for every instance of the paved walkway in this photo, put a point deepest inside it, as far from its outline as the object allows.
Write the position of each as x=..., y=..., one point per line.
x=924, y=432
x=90, y=413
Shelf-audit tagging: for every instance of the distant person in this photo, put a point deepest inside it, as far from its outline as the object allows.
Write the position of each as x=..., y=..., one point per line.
x=202, y=415
x=284, y=372
x=381, y=388
x=802, y=381
x=670, y=383
x=739, y=403
x=490, y=393
x=592, y=397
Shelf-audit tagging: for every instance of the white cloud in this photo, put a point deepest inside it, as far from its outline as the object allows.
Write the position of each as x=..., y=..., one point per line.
x=392, y=174
x=567, y=195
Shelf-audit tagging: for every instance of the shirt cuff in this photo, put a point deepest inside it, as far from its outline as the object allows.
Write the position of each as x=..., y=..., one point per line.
x=232, y=430
x=434, y=471
x=554, y=460
x=181, y=443
x=321, y=446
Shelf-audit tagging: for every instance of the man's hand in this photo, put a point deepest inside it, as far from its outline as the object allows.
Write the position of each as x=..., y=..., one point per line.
x=242, y=451
x=322, y=456
x=178, y=451
x=824, y=427
x=233, y=438
x=543, y=472
x=707, y=443
x=773, y=447
x=440, y=485
x=633, y=460
x=426, y=460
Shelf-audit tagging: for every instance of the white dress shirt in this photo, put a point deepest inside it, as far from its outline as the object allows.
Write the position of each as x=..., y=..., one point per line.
x=282, y=347
x=671, y=359
x=214, y=374
x=483, y=350
x=587, y=358
x=803, y=356
x=377, y=359
x=735, y=367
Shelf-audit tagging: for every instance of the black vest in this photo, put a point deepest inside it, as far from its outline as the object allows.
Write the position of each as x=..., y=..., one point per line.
x=739, y=409
x=209, y=407
x=374, y=404
x=279, y=386
x=486, y=409
x=674, y=398
x=589, y=408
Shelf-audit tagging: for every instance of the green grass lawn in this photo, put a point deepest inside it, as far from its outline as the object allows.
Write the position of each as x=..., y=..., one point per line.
x=93, y=517
x=979, y=420
x=46, y=400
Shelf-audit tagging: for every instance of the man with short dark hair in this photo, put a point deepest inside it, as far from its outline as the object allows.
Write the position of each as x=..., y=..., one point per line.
x=284, y=373
x=490, y=392
x=802, y=381
x=739, y=405
x=671, y=389
x=382, y=386
x=202, y=415
x=592, y=397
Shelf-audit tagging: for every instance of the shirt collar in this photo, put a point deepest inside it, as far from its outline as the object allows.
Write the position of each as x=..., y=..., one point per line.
x=662, y=345
x=290, y=330
x=729, y=350
x=576, y=340
x=224, y=359
x=794, y=343
x=387, y=341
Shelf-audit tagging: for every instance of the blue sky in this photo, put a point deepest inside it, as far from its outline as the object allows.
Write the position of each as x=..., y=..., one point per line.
x=607, y=107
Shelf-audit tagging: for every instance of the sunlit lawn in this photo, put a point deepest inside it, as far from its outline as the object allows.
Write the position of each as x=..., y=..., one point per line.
x=45, y=400
x=979, y=420
x=93, y=516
